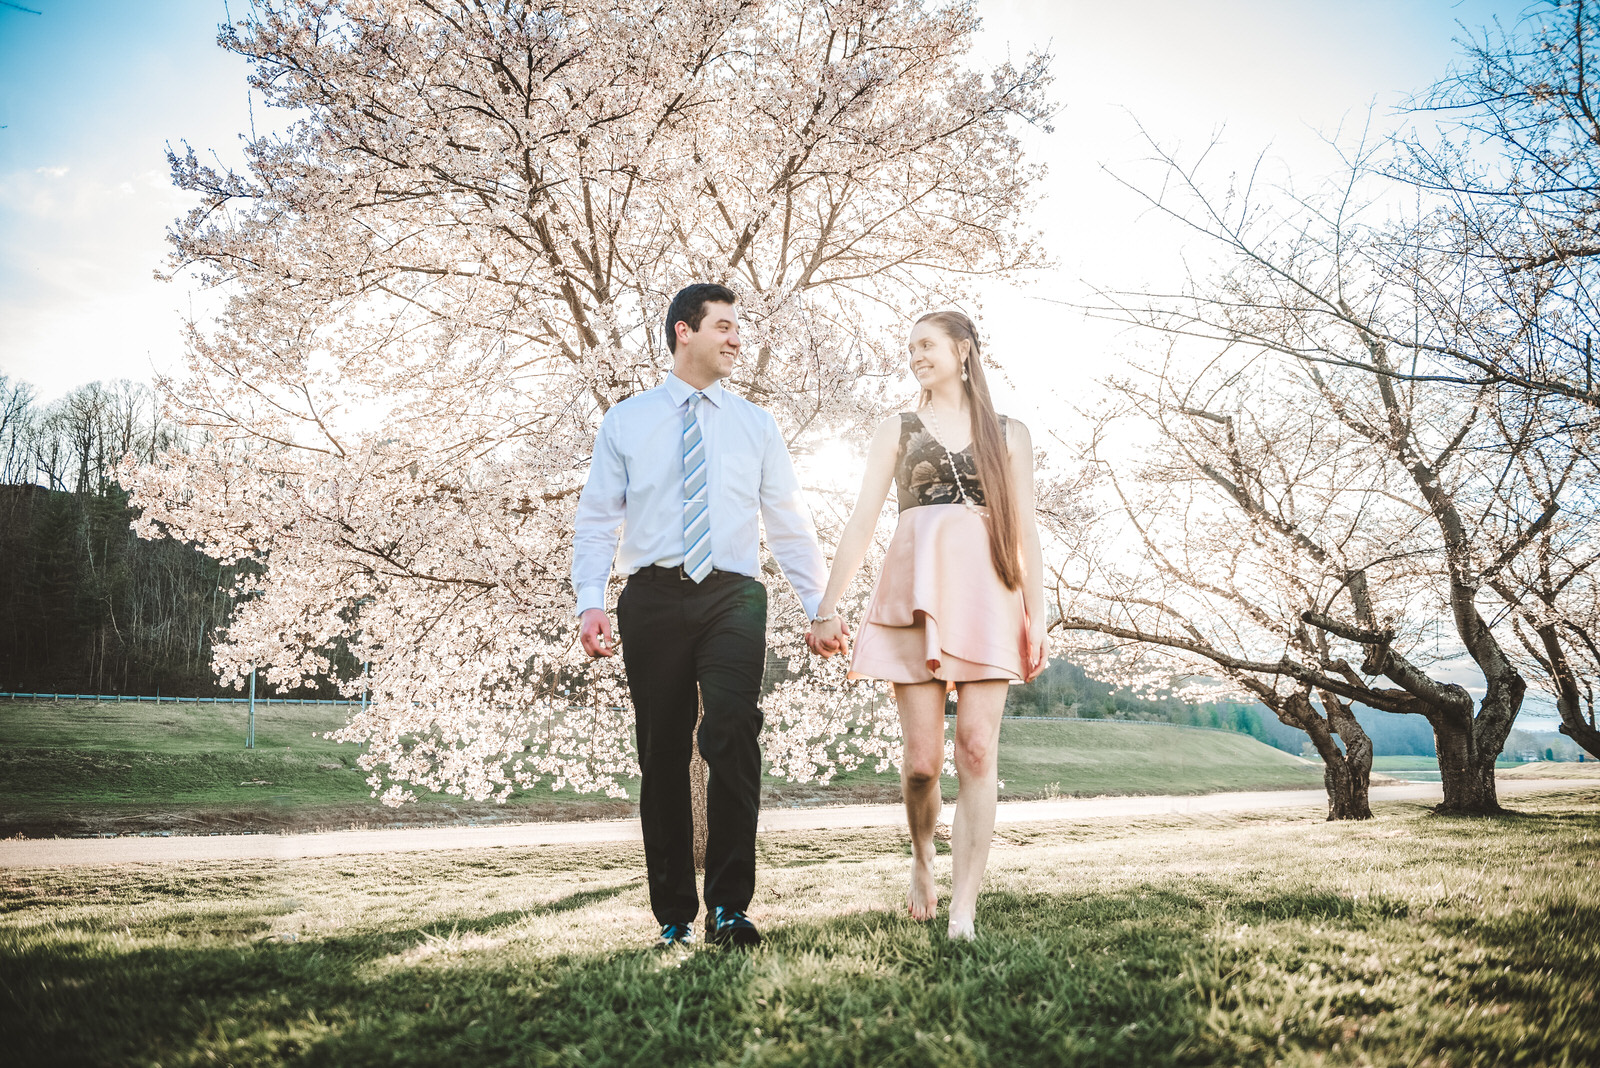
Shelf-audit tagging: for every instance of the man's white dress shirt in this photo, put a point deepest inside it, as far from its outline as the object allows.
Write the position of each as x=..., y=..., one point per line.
x=636, y=483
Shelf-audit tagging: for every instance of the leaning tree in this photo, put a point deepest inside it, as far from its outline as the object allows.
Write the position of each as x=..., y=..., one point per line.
x=455, y=259
x=1321, y=515
x=1230, y=508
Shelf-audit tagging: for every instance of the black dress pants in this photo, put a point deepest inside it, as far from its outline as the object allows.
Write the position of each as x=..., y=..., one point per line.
x=680, y=638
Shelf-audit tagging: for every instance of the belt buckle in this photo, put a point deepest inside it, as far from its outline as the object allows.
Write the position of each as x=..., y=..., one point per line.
x=683, y=576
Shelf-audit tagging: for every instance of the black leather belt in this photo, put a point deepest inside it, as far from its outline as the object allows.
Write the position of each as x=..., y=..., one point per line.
x=657, y=573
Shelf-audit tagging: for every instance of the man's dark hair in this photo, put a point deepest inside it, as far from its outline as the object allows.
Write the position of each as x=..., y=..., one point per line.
x=689, y=306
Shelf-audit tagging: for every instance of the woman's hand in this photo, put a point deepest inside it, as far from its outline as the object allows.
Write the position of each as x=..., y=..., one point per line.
x=828, y=637
x=1038, y=649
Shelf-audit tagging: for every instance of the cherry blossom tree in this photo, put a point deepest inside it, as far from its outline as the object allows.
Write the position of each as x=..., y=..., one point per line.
x=1317, y=517
x=456, y=258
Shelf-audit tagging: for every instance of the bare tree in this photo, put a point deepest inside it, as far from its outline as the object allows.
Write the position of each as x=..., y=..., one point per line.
x=1239, y=519
x=1388, y=511
x=85, y=605
x=1509, y=162
x=77, y=442
x=17, y=415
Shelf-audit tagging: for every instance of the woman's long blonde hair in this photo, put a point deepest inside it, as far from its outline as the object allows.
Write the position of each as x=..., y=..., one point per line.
x=989, y=452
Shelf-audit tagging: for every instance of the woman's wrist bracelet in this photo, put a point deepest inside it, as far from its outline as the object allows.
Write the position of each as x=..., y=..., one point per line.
x=827, y=618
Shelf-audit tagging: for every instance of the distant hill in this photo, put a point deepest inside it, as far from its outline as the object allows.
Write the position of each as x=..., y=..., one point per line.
x=1067, y=690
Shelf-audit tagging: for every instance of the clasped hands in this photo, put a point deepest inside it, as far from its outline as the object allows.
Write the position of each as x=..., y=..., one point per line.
x=825, y=638
x=828, y=637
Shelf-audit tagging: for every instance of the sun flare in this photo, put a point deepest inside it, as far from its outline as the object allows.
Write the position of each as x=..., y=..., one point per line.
x=833, y=467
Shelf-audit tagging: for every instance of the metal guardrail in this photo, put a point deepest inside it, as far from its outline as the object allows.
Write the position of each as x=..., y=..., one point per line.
x=175, y=700
x=322, y=701
x=1124, y=722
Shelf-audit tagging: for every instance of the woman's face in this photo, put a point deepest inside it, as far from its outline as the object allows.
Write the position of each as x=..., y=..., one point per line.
x=934, y=359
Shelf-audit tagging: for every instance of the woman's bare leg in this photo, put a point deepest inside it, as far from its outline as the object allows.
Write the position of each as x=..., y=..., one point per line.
x=978, y=709
x=921, y=708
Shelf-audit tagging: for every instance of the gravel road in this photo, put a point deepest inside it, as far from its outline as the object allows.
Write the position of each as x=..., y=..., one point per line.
x=178, y=849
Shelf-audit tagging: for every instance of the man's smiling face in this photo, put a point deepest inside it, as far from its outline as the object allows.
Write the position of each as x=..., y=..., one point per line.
x=708, y=354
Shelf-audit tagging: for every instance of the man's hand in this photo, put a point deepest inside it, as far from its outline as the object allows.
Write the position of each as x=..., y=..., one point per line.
x=828, y=638
x=595, y=632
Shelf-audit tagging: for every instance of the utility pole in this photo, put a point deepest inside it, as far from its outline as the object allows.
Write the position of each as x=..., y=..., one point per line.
x=250, y=740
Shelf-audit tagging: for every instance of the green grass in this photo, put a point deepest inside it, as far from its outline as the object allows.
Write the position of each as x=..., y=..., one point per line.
x=1409, y=939
x=1087, y=758
x=1554, y=769
x=1408, y=762
x=93, y=767
x=75, y=752
x=1419, y=768
x=86, y=767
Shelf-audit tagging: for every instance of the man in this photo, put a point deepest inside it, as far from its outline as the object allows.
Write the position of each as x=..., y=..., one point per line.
x=687, y=470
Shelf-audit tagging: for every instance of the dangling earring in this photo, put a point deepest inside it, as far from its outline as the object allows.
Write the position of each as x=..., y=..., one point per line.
x=963, y=372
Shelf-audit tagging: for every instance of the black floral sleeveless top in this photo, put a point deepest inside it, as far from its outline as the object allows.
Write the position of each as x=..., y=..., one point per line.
x=922, y=471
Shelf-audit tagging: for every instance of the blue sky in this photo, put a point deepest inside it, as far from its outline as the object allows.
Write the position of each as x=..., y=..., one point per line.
x=92, y=91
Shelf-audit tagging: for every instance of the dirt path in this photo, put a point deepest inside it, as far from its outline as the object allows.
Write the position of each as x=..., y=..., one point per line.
x=57, y=852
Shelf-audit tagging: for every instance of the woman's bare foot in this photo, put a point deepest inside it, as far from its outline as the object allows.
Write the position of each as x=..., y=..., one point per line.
x=963, y=930
x=923, y=897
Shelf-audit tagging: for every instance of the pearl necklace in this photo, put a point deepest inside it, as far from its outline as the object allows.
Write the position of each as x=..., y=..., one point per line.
x=955, y=473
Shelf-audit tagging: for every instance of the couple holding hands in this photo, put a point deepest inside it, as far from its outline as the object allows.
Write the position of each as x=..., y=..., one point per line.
x=688, y=472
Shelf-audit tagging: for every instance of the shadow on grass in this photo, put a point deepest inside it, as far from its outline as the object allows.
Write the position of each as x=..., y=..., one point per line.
x=1545, y=962
x=1059, y=978
x=1513, y=816
x=488, y=924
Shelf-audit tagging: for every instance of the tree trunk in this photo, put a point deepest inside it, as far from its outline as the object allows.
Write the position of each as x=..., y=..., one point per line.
x=1346, y=777
x=1569, y=698
x=697, y=793
x=1347, y=783
x=1465, y=772
x=1349, y=780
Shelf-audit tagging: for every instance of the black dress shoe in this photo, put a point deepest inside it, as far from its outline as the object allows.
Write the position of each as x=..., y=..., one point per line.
x=731, y=927
x=675, y=936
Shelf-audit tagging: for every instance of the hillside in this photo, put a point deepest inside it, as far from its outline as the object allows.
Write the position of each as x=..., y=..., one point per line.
x=88, y=767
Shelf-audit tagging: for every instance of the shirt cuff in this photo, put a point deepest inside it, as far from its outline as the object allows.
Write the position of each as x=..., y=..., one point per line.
x=811, y=604
x=591, y=597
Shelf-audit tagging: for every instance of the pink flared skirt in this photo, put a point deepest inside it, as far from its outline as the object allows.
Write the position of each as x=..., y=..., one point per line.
x=939, y=610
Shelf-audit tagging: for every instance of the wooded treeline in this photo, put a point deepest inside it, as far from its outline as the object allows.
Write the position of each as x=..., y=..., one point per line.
x=87, y=606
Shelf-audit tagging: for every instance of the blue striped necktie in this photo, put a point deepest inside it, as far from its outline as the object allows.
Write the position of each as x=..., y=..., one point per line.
x=696, y=502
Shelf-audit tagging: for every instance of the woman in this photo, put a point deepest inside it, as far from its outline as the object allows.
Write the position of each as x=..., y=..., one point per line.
x=960, y=602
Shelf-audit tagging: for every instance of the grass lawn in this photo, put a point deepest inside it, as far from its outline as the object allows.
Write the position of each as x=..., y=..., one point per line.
x=82, y=766
x=1090, y=758
x=1417, y=768
x=1408, y=939
x=86, y=767
x=1554, y=769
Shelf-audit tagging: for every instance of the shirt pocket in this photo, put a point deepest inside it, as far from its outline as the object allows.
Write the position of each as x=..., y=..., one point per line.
x=741, y=476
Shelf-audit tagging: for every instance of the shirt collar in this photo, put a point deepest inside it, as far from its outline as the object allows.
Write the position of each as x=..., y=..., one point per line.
x=679, y=390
